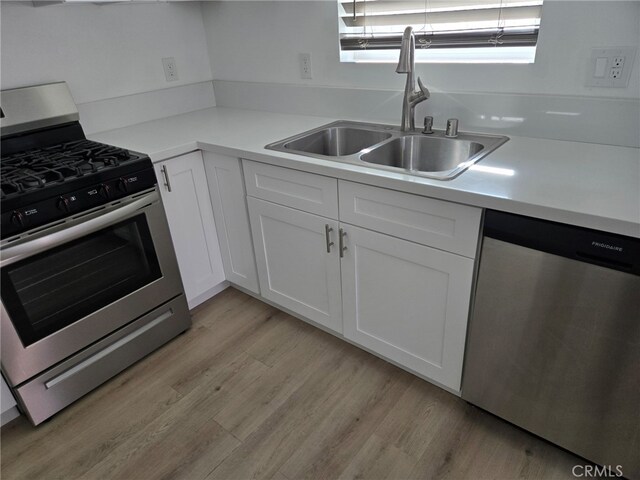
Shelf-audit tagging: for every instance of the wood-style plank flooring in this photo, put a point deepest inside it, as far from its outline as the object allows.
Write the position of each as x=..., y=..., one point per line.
x=251, y=392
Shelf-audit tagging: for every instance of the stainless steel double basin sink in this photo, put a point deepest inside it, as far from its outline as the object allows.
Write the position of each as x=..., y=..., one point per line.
x=386, y=147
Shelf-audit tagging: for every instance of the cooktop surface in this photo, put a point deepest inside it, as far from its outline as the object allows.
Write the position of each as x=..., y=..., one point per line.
x=40, y=168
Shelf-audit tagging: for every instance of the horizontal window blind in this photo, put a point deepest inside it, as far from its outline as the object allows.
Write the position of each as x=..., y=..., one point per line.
x=377, y=25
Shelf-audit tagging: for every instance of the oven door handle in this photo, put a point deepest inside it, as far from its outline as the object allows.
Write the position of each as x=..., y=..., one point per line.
x=24, y=250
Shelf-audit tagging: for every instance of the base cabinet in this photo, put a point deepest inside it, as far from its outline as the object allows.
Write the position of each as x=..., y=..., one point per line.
x=185, y=195
x=297, y=267
x=390, y=271
x=407, y=302
x=227, y=191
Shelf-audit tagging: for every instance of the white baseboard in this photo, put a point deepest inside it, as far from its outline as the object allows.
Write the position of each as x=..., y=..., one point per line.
x=9, y=415
x=203, y=297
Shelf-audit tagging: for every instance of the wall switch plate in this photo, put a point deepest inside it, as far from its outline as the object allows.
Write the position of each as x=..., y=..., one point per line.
x=610, y=67
x=170, y=69
x=305, y=66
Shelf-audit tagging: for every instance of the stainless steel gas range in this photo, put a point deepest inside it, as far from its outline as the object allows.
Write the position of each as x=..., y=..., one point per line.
x=89, y=278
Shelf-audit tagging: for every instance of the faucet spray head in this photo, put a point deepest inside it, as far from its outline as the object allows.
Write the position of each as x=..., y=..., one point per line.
x=404, y=62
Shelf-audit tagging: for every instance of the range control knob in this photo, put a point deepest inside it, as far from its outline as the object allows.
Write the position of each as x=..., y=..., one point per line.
x=63, y=204
x=18, y=218
x=123, y=184
x=104, y=190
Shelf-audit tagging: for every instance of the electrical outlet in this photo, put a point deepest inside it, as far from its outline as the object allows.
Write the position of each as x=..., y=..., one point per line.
x=617, y=62
x=615, y=72
x=170, y=69
x=305, y=66
x=610, y=66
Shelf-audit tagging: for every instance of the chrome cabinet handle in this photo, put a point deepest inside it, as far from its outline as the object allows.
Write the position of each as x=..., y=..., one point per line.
x=342, y=246
x=165, y=174
x=327, y=237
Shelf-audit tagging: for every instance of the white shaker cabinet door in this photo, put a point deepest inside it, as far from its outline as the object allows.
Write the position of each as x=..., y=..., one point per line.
x=407, y=302
x=226, y=187
x=297, y=267
x=185, y=195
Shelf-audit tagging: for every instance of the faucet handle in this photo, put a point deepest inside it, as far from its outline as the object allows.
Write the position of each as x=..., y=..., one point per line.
x=424, y=89
x=452, y=128
x=428, y=125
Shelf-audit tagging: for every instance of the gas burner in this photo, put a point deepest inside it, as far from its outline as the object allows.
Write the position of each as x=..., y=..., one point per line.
x=39, y=168
x=33, y=181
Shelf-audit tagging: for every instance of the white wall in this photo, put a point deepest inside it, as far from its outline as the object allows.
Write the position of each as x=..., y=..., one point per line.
x=273, y=33
x=102, y=51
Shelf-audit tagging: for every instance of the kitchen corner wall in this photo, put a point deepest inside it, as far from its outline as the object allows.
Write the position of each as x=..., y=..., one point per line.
x=110, y=55
x=260, y=41
x=254, y=48
x=109, y=52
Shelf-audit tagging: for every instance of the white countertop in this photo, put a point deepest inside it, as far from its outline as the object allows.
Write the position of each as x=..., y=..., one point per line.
x=590, y=185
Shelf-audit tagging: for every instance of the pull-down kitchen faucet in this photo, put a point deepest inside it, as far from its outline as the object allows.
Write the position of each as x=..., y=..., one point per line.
x=406, y=64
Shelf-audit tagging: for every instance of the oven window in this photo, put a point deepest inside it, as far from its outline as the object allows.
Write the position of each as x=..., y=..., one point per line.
x=51, y=290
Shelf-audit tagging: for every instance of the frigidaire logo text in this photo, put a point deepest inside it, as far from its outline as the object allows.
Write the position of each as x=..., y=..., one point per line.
x=607, y=246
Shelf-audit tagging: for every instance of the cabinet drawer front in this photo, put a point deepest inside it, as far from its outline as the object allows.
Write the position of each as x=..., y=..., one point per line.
x=305, y=191
x=444, y=225
x=407, y=302
x=58, y=387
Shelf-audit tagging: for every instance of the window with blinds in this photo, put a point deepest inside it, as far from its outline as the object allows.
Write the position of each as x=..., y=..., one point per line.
x=475, y=31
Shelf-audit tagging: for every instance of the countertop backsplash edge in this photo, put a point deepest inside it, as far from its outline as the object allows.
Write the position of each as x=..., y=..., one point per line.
x=602, y=120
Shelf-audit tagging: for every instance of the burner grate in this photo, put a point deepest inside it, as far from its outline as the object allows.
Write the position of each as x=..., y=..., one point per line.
x=39, y=168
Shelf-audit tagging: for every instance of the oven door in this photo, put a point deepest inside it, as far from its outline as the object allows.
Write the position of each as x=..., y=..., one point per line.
x=67, y=286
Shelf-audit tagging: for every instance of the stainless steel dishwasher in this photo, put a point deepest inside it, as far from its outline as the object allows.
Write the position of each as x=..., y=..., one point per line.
x=554, y=339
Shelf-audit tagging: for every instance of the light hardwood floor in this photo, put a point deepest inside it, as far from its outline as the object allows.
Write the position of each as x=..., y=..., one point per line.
x=251, y=392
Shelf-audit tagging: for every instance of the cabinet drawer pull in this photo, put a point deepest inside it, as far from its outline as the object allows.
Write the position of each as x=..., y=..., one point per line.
x=327, y=236
x=342, y=246
x=165, y=174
